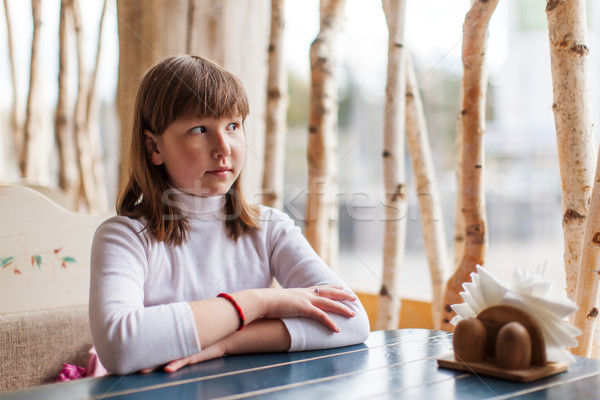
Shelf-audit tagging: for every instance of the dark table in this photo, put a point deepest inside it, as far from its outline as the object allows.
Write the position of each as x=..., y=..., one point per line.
x=390, y=364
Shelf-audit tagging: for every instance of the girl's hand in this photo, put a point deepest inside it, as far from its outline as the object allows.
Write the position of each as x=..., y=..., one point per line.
x=261, y=336
x=312, y=302
x=269, y=304
x=215, y=350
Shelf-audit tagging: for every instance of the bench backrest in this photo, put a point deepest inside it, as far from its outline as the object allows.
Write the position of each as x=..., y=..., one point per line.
x=44, y=287
x=44, y=252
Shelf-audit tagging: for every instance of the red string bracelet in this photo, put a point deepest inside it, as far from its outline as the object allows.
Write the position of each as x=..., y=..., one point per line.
x=237, y=307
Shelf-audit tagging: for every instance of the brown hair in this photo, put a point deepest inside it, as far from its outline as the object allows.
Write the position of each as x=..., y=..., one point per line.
x=178, y=87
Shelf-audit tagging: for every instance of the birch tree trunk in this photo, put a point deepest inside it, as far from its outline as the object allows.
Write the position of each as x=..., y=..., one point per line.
x=572, y=118
x=475, y=31
x=588, y=280
x=574, y=129
x=91, y=118
x=32, y=113
x=88, y=192
x=429, y=199
x=321, y=210
x=596, y=342
x=148, y=31
x=68, y=172
x=15, y=121
x=459, y=219
x=275, y=121
x=394, y=242
x=92, y=90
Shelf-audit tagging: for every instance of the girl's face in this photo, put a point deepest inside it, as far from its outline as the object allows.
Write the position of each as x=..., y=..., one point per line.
x=202, y=156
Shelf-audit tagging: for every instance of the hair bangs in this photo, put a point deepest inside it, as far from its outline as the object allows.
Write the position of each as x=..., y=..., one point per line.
x=191, y=86
x=211, y=93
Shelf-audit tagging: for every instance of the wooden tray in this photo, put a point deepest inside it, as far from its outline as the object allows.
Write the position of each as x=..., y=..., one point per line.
x=518, y=375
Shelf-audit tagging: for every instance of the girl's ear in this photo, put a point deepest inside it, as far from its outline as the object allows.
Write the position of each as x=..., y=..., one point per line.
x=152, y=148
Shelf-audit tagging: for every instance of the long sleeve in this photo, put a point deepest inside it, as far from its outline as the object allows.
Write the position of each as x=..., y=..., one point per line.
x=127, y=334
x=141, y=289
x=295, y=264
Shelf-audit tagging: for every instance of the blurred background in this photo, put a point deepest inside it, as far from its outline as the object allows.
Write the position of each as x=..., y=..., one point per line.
x=521, y=172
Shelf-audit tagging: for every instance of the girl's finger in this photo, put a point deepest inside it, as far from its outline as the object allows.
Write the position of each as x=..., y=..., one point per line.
x=334, y=293
x=209, y=353
x=324, y=319
x=177, y=364
x=334, y=307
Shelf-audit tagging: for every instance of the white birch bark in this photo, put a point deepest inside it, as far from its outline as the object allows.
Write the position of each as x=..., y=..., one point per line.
x=388, y=313
x=475, y=31
x=68, y=169
x=321, y=210
x=417, y=139
x=32, y=114
x=586, y=317
x=93, y=81
x=596, y=342
x=275, y=121
x=459, y=219
x=15, y=120
x=91, y=118
x=569, y=57
x=88, y=192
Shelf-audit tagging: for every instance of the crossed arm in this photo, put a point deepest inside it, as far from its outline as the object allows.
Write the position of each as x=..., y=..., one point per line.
x=134, y=328
x=217, y=320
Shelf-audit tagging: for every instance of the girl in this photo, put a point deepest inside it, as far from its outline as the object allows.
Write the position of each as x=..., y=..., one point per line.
x=187, y=262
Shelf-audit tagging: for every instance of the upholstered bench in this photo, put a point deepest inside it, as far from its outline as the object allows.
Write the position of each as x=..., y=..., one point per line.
x=44, y=287
x=35, y=344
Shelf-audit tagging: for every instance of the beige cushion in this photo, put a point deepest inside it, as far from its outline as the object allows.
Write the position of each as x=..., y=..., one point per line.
x=35, y=344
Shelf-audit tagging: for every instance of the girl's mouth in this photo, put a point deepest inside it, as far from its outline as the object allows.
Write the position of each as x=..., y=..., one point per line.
x=220, y=172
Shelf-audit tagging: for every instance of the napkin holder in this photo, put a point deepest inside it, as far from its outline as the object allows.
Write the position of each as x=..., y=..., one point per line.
x=503, y=341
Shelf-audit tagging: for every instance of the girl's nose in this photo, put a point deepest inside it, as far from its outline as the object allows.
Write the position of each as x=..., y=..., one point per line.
x=221, y=146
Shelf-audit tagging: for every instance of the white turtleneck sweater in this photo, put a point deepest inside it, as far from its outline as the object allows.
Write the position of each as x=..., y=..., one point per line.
x=140, y=288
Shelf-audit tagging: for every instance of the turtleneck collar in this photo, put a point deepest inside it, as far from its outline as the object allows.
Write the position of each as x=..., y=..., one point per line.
x=196, y=206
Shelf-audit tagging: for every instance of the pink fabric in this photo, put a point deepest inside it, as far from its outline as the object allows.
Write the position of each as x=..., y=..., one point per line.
x=95, y=367
x=71, y=372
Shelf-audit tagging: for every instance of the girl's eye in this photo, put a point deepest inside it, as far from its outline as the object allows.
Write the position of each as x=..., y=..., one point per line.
x=232, y=127
x=198, y=129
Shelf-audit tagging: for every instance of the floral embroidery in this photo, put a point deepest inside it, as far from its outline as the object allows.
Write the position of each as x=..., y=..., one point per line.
x=36, y=261
x=6, y=261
